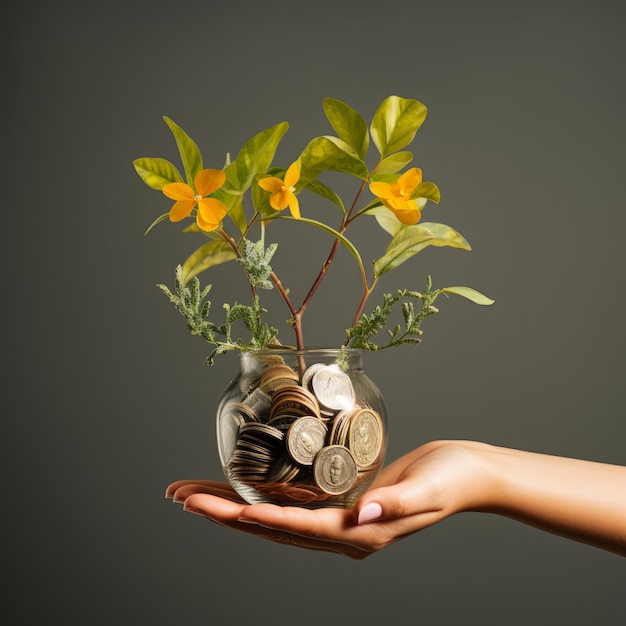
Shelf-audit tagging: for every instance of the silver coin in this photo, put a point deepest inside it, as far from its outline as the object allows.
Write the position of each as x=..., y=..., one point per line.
x=307, y=377
x=335, y=470
x=305, y=438
x=333, y=388
x=365, y=437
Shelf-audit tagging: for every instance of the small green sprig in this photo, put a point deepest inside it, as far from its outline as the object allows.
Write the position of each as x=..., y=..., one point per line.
x=256, y=261
x=370, y=325
x=190, y=300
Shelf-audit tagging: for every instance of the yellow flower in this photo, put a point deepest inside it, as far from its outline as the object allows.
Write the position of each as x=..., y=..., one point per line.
x=397, y=196
x=210, y=210
x=283, y=190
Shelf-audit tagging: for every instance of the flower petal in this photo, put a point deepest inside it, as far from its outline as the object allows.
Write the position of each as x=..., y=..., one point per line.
x=408, y=216
x=206, y=226
x=279, y=200
x=271, y=183
x=181, y=210
x=399, y=203
x=381, y=190
x=211, y=208
x=178, y=191
x=208, y=180
x=410, y=179
x=292, y=174
x=294, y=205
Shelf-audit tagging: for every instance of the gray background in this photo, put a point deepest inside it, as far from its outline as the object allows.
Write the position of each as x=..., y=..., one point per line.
x=107, y=397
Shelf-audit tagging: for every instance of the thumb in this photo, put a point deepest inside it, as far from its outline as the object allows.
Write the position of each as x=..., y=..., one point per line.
x=403, y=499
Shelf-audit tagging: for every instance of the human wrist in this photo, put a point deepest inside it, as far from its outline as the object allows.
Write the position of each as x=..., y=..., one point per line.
x=488, y=478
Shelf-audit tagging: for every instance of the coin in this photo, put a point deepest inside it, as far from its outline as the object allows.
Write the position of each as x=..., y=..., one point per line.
x=333, y=388
x=307, y=377
x=294, y=401
x=334, y=469
x=305, y=438
x=339, y=428
x=277, y=376
x=365, y=437
x=256, y=449
x=247, y=413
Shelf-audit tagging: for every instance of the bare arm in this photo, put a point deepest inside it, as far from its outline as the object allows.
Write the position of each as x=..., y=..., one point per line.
x=581, y=500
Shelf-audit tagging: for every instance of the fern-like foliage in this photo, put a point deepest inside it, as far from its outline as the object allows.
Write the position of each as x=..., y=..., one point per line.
x=370, y=325
x=190, y=300
x=256, y=261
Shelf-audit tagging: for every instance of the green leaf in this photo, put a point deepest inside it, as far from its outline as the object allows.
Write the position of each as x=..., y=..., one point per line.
x=470, y=294
x=386, y=220
x=329, y=153
x=156, y=173
x=206, y=256
x=326, y=192
x=394, y=163
x=348, y=124
x=193, y=227
x=371, y=205
x=188, y=150
x=336, y=234
x=427, y=190
x=157, y=221
x=253, y=159
x=256, y=156
x=413, y=239
x=395, y=123
x=238, y=216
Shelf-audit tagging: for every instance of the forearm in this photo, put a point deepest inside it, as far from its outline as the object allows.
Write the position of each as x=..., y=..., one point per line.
x=581, y=500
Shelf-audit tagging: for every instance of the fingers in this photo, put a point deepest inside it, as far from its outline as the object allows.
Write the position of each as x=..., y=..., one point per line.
x=209, y=484
x=399, y=509
x=181, y=490
x=238, y=515
x=421, y=488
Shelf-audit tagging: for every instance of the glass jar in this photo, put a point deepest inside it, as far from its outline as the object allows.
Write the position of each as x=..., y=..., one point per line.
x=302, y=428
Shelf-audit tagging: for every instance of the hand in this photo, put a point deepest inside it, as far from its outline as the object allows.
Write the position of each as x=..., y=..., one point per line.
x=423, y=487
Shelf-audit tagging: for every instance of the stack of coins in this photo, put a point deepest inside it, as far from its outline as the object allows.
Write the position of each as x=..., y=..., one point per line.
x=300, y=440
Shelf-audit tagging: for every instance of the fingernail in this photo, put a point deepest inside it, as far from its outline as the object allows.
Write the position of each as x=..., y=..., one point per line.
x=246, y=520
x=190, y=509
x=370, y=512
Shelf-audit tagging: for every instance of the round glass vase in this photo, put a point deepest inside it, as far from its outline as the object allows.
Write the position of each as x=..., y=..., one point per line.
x=301, y=428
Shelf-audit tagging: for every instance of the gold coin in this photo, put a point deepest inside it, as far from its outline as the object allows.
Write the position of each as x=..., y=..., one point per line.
x=334, y=469
x=365, y=437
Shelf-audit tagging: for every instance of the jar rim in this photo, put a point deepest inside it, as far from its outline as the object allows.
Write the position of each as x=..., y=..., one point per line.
x=297, y=351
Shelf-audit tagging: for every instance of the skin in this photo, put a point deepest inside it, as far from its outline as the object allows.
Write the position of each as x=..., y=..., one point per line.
x=582, y=500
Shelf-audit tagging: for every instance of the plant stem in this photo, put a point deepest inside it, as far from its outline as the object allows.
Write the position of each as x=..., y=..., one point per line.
x=366, y=294
x=235, y=247
x=249, y=226
x=345, y=222
x=296, y=316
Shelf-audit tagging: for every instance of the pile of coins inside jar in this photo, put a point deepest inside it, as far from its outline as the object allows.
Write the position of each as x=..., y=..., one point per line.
x=299, y=439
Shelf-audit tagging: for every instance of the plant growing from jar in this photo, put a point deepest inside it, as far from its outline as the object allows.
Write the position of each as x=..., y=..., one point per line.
x=233, y=207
